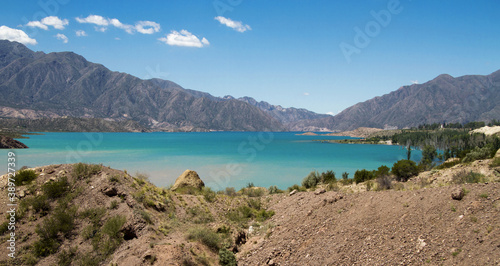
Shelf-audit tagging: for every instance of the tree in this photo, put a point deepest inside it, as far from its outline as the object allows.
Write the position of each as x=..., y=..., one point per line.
x=404, y=169
x=382, y=170
x=363, y=175
x=429, y=153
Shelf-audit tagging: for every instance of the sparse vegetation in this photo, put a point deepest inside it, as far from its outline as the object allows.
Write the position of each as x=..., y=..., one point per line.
x=311, y=180
x=56, y=189
x=83, y=170
x=24, y=177
x=227, y=258
x=464, y=177
x=205, y=236
x=404, y=169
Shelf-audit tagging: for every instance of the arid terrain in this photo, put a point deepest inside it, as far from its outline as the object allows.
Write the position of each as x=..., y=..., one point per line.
x=417, y=222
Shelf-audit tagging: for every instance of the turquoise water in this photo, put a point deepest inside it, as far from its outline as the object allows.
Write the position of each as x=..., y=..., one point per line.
x=222, y=159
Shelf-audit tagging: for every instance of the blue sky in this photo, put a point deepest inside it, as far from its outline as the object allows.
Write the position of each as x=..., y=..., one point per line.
x=320, y=55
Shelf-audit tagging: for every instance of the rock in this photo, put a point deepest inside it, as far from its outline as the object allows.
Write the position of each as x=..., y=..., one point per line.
x=250, y=229
x=188, y=179
x=160, y=207
x=334, y=198
x=110, y=191
x=319, y=191
x=457, y=193
x=293, y=192
x=271, y=262
x=21, y=194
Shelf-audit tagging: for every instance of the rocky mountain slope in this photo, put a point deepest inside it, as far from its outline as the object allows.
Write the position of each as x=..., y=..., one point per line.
x=65, y=84
x=111, y=217
x=443, y=99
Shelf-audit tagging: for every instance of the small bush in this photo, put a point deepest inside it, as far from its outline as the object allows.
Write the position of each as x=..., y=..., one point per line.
x=362, y=176
x=146, y=216
x=404, y=169
x=113, y=204
x=250, y=185
x=113, y=226
x=274, y=190
x=230, y=191
x=463, y=177
x=66, y=257
x=345, y=175
x=227, y=258
x=383, y=170
x=384, y=182
x=94, y=215
x=311, y=180
x=296, y=187
x=206, y=236
x=83, y=170
x=495, y=162
x=199, y=216
x=477, y=154
x=448, y=164
x=253, y=191
x=24, y=177
x=369, y=185
x=56, y=189
x=40, y=204
x=208, y=194
x=4, y=228
x=328, y=177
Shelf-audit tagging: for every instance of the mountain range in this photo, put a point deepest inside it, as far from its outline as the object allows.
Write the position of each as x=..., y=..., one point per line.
x=63, y=84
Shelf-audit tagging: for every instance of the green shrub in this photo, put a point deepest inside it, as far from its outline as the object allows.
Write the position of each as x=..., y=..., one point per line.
x=296, y=187
x=208, y=194
x=24, y=177
x=45, y=247
x=230, y=191
x=263, y=215
x=274, y=190
x=66, y=257
x=206, y=236
x=4, y=228
x=56, y=189
x=83, y=170
x=404, y=169
x=40, y=204
x=463, y=177
x=328, y=177
x=113, y=204
x=362, y=176
x=383, y=170
x=250, y=185
x=199, y=216
x=345, y=175
x=94, y=215
x=477, y=154
x=227, y=258
x=113, y=226
x=146, y=216
x=495, y=162
x=311, y=180
x=448, y=164
x=253, y=191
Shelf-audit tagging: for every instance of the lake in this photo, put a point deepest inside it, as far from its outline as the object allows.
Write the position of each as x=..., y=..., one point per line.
x=222, y=159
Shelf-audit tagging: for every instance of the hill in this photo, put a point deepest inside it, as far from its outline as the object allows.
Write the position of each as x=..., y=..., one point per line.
x=94, y=215
x=66, y=84
x=443, y=99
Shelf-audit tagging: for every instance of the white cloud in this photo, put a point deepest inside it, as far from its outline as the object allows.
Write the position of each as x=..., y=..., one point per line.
x=10, y=34
x=81, y=33
x=147, y=27
x=53, y=21
x=414, y=81
x=37, y=24
x=94, y=19
x=236, y=25
x=62, y=37
x=184, y=38
x=330, y=113
x=306, y=93
x=144, y=27
x=128, y=28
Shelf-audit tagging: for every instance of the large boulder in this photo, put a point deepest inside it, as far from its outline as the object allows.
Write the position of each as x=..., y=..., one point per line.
x=188, y=179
